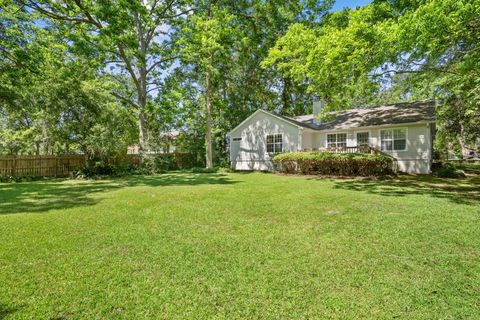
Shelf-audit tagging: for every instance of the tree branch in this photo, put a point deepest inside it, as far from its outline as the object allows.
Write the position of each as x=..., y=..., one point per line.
x=159, y=62
x=154, y=88
x=127, y=100
x=88, y=15
x=128, y=64
x=151, y=31
x=55, y=16
x=180, y=14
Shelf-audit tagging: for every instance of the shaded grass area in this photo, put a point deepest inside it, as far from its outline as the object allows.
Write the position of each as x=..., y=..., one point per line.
x=462, y=191
x=45, y=195
x=228, y=246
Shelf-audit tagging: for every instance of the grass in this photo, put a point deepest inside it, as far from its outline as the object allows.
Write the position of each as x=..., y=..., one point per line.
x=226, y=246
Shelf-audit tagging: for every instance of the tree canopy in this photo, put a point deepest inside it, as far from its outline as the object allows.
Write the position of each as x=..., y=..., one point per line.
x=95, y=77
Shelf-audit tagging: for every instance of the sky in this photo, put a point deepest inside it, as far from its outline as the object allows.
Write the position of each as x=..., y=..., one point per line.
x=341, y=4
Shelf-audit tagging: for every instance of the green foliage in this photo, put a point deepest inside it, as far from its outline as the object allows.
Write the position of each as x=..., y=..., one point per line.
x=448, y=170
x=100, y=169
x=337, y=164
x=160, y=163
x=15, y=179
x=206, y=37
x=47, y=116
x=336, y=58
x=51, y=100
x=126, y=40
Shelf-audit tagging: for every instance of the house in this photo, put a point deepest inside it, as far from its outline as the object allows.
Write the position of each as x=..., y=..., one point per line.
x=403, y=130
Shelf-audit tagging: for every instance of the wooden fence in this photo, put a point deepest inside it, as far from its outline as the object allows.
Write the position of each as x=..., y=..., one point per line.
x=40, y=166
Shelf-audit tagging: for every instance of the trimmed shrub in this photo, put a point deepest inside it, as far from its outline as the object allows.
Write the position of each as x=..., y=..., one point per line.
x=336, y=164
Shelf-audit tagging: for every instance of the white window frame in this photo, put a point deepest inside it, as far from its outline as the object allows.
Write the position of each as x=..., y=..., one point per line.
x=369, y=143
x=393, y=139
x=275, y=151
x=336, y=140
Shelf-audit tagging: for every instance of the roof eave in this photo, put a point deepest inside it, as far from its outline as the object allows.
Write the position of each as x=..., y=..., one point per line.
x=379, y=125
x=269, y=113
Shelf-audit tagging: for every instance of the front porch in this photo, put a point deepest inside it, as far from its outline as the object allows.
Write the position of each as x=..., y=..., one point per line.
x=351, y=149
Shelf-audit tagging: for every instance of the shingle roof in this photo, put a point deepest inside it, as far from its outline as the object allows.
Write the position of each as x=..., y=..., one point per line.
x=407, y=112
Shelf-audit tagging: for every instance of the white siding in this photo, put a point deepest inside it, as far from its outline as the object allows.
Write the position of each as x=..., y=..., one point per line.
x=307, y=140
x=250, y=153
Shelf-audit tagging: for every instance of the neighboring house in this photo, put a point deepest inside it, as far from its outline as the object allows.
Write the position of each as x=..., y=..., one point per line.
x=404, y=130
x=167, y=144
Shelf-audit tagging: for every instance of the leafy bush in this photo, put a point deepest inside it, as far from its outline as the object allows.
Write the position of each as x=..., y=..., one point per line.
x=447, y=170
x=338, y=164
x=13, y=179
x=160, y=163
x=103, y=168
x=153, y=164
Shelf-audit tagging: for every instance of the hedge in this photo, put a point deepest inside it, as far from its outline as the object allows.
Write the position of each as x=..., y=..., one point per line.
x=337, y=164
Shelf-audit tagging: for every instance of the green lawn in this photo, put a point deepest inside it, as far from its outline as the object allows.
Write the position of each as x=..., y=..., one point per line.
x=225, y=246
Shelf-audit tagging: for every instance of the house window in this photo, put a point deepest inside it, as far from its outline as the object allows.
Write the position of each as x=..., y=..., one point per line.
x=274, y=143
x=393, y=139
x=336, y=140
x=237, y=139
x=363, y=138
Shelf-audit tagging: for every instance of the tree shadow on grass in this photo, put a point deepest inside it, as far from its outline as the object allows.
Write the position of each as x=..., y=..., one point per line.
x=40, y=196
x=461, y=191
x=178, y=179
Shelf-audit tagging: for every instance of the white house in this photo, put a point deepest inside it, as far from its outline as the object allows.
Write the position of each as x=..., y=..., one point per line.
x=404, y=130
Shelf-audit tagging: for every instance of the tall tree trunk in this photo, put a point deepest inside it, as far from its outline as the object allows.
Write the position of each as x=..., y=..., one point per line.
x=208, y=115
x=142, y=130
x=37, y=148
x=142, y=86
x=461, y=141
x=463, y=146
x=142, y=122
x=208, y=105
